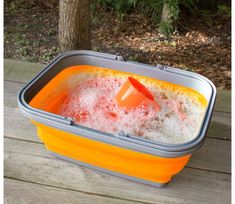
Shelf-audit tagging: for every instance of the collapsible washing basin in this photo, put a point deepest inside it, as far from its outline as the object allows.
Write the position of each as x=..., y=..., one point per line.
x=120, y=154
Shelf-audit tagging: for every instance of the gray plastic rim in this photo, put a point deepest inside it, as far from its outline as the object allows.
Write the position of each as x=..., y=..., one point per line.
x=124, y=141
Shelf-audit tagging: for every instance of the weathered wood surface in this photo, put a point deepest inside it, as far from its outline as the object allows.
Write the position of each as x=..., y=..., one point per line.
x=31, y=162
x=22, y=192
x=29, y=166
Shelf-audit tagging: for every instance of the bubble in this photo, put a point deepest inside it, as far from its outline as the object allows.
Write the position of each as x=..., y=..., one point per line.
x=91, y=102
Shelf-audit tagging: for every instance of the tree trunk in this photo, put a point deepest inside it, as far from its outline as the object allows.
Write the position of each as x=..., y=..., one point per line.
x=166, y=15
x=74, y=25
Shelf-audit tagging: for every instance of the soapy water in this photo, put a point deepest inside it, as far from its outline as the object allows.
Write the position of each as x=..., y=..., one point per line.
x=92, y=104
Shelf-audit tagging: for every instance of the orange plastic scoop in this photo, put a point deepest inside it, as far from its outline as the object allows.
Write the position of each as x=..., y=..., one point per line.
x=133, y=94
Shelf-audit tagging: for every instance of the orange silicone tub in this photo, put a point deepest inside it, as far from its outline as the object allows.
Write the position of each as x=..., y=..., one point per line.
x=122, y=155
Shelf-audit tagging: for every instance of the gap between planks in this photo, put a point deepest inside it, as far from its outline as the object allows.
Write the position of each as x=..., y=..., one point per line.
x=207, y=158
x=23, y=161
x=55, y=192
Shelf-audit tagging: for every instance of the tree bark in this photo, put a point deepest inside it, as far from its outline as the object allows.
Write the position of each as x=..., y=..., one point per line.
x=166, y=15
x=74, y=25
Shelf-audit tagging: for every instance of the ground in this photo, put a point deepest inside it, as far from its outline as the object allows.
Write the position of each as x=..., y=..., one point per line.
x=202, y=44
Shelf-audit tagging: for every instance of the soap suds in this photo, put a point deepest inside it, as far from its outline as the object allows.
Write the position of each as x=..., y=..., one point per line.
x=92, y=104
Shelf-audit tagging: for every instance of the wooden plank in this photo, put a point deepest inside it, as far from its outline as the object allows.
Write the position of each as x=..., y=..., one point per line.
x=24, y=192
x=8, y=66
x=219, y=131
x=214, y=154
x=24, y=71
x=11, y=90
x=223, y=101
x=30, y=162
x=18, y=126
x=221, y=117
x=20, y=71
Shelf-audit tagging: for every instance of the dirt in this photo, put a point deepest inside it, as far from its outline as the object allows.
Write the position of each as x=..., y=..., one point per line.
x=203, y=45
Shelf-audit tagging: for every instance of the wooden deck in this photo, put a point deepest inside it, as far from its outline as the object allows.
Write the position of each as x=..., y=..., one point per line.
x=32, y=175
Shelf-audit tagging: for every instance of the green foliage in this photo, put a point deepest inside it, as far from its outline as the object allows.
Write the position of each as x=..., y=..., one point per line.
x=14, y=7
x=151, y=8
x=190, y=4
x=169, y=25
x=104, y=3
x=224, y=9
x=18, y=5
x=121, y=7
x=166, y=28
x=207, y=17
x=173, y=6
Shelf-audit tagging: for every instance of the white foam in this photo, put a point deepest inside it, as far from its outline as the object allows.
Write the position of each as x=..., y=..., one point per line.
x=92, y=103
